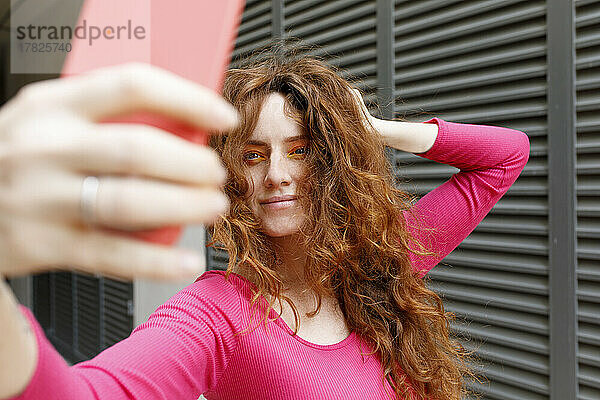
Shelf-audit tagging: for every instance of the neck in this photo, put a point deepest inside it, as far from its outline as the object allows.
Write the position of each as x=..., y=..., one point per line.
x=293, y=259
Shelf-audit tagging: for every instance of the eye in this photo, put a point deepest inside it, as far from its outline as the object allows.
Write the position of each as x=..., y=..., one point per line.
x=252, y=156
x=300, y=151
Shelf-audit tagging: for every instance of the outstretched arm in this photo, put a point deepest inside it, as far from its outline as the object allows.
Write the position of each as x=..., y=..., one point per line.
x=489, y=158
x=179, y=353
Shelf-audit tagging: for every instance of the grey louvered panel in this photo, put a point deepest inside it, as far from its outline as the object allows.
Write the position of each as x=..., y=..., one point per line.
x=483, y=62
x=88, y=315
x=117, y=311
x=344, y=30
x=588, y=195
x=254, y=30
x=62, y=298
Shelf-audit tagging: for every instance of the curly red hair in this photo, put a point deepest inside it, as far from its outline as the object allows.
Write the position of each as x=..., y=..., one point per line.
x=356, y=236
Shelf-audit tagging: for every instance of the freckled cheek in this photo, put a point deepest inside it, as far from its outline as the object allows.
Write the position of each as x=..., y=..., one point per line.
x=253, y=192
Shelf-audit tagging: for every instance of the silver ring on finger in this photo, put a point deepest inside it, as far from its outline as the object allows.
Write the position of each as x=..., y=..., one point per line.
x=87, y=203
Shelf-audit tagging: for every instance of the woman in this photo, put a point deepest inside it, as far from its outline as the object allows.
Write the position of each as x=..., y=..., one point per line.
x=316, y=226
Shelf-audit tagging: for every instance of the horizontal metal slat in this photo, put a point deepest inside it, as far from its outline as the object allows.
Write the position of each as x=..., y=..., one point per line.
x=448, y=31
x=587, y=39
x=446, y=15
x=476, y=79
x=354, y=19
x=365, y=59
x=527, y=225
x=587, y=79
x=254, y=10
x=252, y=37
x=589, y=355
x=487, y=314
x=588, y=270
x=363, y=31
x=589, y=312
x=292, y=7
x=252, y=3
x=495, y=57
x=535, y=206
x=588, y=101
x=520, y=283
x=588, y=207
x=589, y=334
x=495, y=390
x=487, y=333
x=255, y=24
x=580, y=3
x=588, y=229
x=589, y=376
x=525, y=365
x=587, y=17
x=452, y=98
x=518, y=368
x=504, y=243
x=588, y=291
x=406, y=9
x=489, y=113
x=423, y=53
x=321, y=10
x=507, y=262
x=588, y=249
x=497, y=298
x=345, y=47
x=533, y=187
x=588, y=393
x=245, y=50
x=589, y=144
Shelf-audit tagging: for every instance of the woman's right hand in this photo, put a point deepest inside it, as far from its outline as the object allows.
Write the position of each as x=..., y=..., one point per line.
x=50, y=140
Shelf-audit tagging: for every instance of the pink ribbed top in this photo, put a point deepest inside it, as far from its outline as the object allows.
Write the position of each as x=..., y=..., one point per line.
x=189, y=345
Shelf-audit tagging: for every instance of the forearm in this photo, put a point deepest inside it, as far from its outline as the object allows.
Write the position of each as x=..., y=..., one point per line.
x=18, y=347
x=413, y=137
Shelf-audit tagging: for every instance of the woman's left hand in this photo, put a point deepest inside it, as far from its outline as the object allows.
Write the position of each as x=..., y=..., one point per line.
x=369, y=120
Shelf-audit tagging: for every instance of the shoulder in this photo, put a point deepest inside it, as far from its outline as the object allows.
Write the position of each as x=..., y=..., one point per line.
x=211, y=289
x=211, y=299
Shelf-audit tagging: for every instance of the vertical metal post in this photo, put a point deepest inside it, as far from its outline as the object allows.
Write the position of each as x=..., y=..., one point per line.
x=385, y=57
x=277, y=29
x=562, y=200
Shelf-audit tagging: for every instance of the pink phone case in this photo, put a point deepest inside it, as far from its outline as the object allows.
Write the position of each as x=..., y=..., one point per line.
x=189, y=37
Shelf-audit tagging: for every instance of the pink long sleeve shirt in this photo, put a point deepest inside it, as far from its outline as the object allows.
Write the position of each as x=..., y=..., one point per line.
x=189, y=345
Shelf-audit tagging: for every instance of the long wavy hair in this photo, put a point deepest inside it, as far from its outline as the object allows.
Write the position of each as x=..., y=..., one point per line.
x=356, y=237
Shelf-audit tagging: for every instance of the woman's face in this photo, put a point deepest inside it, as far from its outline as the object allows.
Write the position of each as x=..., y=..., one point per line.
x=275, y=156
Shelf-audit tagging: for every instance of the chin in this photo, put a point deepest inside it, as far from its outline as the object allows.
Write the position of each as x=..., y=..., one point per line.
x=277, y=232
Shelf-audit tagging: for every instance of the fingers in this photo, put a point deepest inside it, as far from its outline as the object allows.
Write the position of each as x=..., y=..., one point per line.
x=117, y=90
x=133, y=203
x=127, y=203
x=92, y=251
x=120, y=149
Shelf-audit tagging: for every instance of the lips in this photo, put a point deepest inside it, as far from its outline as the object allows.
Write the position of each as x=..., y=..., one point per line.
x=277, y=199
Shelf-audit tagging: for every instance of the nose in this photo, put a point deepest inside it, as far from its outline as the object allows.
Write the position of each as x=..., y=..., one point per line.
x=278, y=172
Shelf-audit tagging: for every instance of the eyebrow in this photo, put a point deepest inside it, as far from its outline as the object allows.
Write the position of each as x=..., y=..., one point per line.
x=288, y=140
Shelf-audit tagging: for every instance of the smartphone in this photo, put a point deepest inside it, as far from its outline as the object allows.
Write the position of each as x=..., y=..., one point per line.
x=191, y=38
